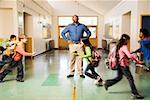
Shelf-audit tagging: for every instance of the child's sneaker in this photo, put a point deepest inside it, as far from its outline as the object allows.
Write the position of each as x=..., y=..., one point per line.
x=137, y=96
x=105, y=85
x=98, y=82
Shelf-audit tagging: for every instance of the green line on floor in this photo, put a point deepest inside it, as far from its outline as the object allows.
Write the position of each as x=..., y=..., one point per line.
x=52, y=80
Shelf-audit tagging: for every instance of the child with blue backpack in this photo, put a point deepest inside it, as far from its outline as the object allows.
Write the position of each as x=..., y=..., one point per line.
x=92, y=63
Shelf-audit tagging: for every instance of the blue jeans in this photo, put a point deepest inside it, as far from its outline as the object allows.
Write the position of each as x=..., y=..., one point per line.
x=126, y=72
x=93, y=74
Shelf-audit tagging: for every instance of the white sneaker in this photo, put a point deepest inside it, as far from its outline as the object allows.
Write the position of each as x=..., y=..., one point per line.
x=96, y=82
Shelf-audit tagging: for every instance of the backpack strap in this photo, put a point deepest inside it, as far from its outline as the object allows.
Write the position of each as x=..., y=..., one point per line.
x=121, y=58
x=16, y=54
x=117, y=56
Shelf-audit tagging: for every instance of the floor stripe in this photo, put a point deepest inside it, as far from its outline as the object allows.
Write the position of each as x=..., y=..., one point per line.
x=74, y=92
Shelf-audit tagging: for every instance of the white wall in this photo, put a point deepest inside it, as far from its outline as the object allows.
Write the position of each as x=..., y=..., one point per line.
x=55, y=30
x=81, y=10
x=137, y=8
x=39, y=42
x=117, y=12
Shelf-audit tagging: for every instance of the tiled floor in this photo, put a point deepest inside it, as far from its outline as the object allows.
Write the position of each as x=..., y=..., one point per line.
x=45, y=79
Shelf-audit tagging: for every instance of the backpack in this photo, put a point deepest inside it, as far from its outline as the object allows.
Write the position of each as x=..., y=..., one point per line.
x=17, y=56
x=113, y=60
x=96, y=57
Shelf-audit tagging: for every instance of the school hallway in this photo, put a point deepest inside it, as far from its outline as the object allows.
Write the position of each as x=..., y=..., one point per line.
x=45, y=79
x=42, y=32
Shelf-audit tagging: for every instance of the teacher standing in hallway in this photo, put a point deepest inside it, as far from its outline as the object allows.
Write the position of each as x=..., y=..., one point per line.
x=75, y=31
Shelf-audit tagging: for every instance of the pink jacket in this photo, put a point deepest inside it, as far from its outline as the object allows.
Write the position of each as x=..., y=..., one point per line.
x=125, y=56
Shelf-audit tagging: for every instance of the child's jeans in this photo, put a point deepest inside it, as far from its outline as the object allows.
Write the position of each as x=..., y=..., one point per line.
x=93, y=74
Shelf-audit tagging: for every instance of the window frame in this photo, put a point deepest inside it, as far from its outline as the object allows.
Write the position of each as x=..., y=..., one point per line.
x=89, y=26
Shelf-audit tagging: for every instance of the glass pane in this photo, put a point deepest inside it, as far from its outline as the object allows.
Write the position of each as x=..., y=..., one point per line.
x=20, y=23
x=88, y=20
x=110, y=30
x=61, y=29
x=63, y=21
x=93, y=32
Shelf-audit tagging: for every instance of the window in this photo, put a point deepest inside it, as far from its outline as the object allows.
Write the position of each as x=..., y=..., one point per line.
x=90, y=22
x=61, y=29
x=20, y=23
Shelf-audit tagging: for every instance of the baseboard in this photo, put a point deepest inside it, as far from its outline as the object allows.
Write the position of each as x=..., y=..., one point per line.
x=61, y=49
x=42, y=53
x=100, y=48
x=57, y=49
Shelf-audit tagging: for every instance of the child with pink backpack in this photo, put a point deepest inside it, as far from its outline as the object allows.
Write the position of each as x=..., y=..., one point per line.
x=123, y=57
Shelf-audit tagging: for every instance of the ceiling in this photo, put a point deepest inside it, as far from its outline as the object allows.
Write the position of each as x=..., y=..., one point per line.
x=98, y=6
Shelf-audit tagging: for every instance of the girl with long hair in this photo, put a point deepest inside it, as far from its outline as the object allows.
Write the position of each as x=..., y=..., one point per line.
x=87, y=48
x=123, y=69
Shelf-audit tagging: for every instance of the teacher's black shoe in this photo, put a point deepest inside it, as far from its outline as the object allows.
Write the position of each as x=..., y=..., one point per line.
x=19, y=80
x=82, y=76
x=69, y=76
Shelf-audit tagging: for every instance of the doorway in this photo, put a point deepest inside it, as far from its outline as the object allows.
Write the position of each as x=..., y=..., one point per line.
x=145, y=21
x=28, y=29
x=126, y=25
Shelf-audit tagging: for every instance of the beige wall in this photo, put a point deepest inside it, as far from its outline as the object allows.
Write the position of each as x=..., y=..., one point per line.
x=34, y=28
x=35, y=20
x=100, y=30
x=28, y=24
x=9, y=11
x=126, y=20
x=149, y=8
x=6, y=23
x=143, y=9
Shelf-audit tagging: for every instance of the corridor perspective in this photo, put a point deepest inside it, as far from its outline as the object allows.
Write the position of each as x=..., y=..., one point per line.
x=45, y=79
x=66, y=49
